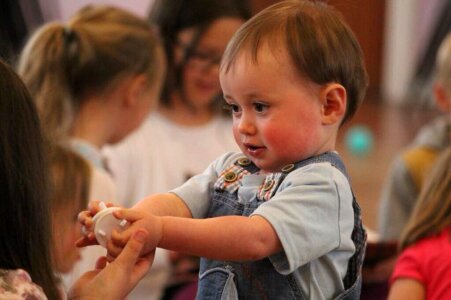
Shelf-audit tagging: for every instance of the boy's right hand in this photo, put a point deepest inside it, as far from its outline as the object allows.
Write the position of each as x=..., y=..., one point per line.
x=138, y=220
x=85, y=218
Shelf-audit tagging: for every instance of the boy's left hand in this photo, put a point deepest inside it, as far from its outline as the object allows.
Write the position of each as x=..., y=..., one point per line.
x=137, y=220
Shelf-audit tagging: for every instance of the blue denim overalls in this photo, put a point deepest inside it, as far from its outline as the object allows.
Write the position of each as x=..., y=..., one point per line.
x=259, y=279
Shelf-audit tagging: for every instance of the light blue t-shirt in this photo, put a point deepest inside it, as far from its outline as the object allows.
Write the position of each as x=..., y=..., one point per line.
x=311, y=213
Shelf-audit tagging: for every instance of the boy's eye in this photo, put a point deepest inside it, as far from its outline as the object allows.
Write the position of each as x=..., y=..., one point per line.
x=260, y=107
x=232, y=108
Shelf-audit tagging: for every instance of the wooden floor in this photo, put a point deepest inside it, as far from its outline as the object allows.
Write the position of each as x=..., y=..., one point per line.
x=393, y=127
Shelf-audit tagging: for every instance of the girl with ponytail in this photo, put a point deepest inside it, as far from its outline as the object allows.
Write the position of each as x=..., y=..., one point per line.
x=94, y=80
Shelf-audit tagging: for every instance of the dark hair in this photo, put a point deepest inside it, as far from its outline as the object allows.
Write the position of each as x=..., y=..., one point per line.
x=25, y=241
x=318, y=41
x=173, y=16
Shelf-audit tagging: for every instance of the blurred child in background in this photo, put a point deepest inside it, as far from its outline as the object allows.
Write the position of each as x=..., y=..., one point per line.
x=189, y=129
x=94, y=81
x=26, y=268
x=423, y=269
x=411, y=167
x=171, y=146
x=71, y=178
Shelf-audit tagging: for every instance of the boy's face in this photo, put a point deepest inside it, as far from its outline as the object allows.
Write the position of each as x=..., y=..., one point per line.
x=276, y=112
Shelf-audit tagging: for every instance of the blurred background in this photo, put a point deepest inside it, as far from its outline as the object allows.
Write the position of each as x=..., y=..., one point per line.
x=399, y=39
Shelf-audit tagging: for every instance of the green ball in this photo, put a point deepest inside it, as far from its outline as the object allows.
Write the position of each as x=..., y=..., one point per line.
x=359, y=140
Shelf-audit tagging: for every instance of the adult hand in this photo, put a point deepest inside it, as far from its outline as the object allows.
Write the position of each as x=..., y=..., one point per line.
x=117, y=279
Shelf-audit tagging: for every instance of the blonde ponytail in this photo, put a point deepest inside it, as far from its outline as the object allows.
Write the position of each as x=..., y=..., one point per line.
x=432, y=211
x=43, y=67
x=63, y=65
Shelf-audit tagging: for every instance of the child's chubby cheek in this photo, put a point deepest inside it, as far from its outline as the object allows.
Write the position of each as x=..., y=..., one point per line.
x=292, y=146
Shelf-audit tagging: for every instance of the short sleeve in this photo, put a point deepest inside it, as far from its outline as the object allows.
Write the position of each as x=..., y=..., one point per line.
x=310, y=216
x=197, y=191
x=408, y=265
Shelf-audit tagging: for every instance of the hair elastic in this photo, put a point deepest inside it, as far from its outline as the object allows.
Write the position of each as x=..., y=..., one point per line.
x=69, y=35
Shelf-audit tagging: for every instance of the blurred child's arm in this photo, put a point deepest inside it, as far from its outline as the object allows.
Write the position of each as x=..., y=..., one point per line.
x=407, y=288
x=225, y=238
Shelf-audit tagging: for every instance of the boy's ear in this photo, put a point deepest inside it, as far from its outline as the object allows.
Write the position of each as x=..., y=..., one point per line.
x=137, y=85
x=333, y=97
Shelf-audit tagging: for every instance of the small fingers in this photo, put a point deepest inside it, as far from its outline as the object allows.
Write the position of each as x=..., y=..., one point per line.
x=101, y=263
x=85, y=218
x=94, y=206
x=110, y=258
x=120, y=239
x=87, y=233
x=88, y=240
x=110, y=204
x=130, y=215
x=114, y=247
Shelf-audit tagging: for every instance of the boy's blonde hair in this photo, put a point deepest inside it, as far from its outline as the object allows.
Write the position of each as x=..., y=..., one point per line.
x=443, y=64
x=432, y=211
x=320, y=44
x=62, y=64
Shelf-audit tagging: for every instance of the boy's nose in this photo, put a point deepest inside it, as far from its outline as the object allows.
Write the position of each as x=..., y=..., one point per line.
x=246, y=125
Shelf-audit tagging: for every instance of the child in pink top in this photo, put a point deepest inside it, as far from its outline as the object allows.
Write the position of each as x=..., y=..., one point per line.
x=423, y=269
